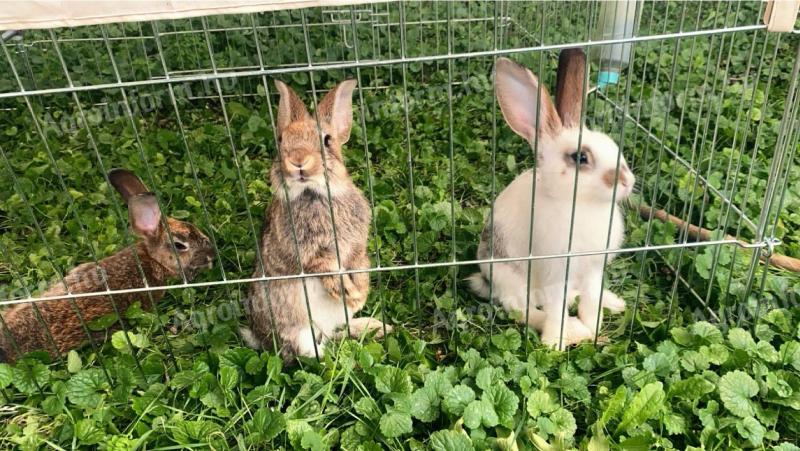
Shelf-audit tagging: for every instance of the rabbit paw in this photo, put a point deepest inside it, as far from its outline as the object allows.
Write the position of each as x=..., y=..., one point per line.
x=613, y=302
x=574, y=332
x=333, y=286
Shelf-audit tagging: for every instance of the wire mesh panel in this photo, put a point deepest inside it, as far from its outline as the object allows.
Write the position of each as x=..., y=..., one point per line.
x=705, y=112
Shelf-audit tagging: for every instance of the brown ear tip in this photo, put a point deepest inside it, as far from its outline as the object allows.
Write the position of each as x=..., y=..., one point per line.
x=503, y=61
x=573, y=55
x=117, y=177
x=118, y=172
x=574, y=51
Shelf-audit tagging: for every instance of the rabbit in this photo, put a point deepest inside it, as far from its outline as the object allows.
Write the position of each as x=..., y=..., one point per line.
x=556, y=131
x=299, y=164
x=24, y=331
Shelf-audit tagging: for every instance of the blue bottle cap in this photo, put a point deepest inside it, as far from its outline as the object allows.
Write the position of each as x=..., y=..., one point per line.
x=605, y=78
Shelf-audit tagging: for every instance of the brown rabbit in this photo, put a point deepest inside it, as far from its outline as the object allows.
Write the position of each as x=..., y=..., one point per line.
x=299, y=163
x=120, y=271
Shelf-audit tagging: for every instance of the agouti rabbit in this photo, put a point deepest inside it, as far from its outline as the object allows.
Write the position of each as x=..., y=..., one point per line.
x=299, y=162
x=25, y=332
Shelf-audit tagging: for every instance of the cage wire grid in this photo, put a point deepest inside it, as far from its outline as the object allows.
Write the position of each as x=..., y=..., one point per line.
x=389, y=48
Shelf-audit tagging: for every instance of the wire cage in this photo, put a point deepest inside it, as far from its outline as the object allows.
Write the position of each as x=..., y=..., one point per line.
x=189, y=105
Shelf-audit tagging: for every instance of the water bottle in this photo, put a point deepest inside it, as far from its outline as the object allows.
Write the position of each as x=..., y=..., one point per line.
x=617, y=20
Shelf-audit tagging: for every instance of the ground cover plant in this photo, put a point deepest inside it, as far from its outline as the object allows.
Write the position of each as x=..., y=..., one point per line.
x=707, y=355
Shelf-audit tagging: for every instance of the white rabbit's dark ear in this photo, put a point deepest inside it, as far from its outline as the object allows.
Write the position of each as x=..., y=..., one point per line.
x=145, y=216
x=570, y=86
x=526, y=105
x=290, y=107
x=126, y=183
x=336, y=108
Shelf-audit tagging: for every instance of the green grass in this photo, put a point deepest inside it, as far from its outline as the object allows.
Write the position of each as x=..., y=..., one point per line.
x=457, y=373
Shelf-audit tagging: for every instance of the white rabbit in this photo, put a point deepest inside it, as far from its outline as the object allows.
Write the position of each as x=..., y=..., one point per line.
x=561, y=145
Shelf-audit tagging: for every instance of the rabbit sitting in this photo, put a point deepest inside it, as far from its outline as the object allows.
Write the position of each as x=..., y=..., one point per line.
x=603, y=179
x=57, y=328
x=304, y=313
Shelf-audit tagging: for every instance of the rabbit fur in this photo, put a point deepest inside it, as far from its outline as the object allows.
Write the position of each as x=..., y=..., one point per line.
x=56, y=326
x=278, y=310
x=562, y=147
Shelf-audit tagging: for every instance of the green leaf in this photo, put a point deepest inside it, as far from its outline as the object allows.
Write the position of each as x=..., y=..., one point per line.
x=368, y=408
x=228, y=377
x=473, y=414
x=457, y=399
x=691, y=389
x=741, y=339
x=313, y=441
x=479, y=413
x=614, y=407
x=119, y=342
x=6, y=375
x=74, y=363
x=265, y=426
x=790, y=354
x=425, y=404
x=450, y=441
x=735, y=390
x=750, y=429
x=395, y=424
x=87, y=388
x=485, y=378
x=644, y=405
x=564, y=423
x=706, y=332
x=674, y=423
x=505, y=403
x=694, y=361
x=88, y=433
x=29, y=376
x=539, y=402
x=389, y=379
x=508, y=340
x=638, y=443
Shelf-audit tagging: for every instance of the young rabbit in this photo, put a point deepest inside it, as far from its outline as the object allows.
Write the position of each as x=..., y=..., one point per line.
x=554, y=131
x=25, y=331
x=299, y=162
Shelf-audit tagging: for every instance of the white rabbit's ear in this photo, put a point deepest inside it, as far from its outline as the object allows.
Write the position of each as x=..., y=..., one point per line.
x=570, y=86
x=126, y=183
x=525, y=104
x=336, y=108
x=145, y=216
x=290, y=107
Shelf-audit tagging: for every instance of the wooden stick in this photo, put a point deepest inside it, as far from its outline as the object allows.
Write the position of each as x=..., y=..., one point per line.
x=701, y=234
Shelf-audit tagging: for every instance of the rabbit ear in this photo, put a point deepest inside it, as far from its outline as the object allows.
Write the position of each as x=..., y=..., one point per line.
x=525, y=104
x=126, y=183
x=290, y=107
x=144, y=215
x=570, y=88
x=336, y=108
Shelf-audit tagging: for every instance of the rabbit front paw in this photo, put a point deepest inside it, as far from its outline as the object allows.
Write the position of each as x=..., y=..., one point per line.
x=574, y=332
x=613, y=302
x=333, y=285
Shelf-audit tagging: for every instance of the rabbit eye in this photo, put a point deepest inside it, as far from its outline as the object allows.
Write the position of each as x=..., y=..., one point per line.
x=579, y=158
x=326, y=140
x=181, y=247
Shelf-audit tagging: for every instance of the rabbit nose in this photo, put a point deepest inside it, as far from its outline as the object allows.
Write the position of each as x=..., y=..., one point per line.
x=298, y=164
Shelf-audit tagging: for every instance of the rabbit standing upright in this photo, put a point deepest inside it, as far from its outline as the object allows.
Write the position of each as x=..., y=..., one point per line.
x=59, y=329
x=298, y=221
x=563, y=148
